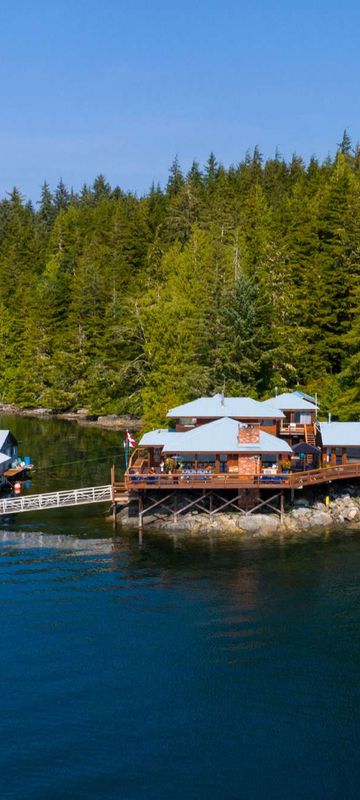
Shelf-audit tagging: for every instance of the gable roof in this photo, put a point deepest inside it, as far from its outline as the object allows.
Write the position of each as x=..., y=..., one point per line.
x=220, y=436
x=340, y=434
x=3, y=436
x=219, y=406
x=4, y=458
x=291, y=401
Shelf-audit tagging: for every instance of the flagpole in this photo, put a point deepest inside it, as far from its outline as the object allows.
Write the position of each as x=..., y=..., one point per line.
x=126, y=447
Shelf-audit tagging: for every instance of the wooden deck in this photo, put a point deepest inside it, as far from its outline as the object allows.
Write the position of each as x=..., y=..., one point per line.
x=17, y=472
x=181, y=481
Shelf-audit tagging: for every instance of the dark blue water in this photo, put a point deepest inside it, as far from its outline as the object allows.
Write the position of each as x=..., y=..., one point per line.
x=174, y=667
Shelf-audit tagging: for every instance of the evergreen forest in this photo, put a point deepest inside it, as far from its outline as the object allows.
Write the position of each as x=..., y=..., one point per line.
x=243, y=279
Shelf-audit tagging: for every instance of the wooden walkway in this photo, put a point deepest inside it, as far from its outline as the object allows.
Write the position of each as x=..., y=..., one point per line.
x=41, y=502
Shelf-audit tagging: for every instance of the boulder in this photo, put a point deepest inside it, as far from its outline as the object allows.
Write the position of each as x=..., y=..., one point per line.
x=350, y=513
x=262, y=524
x=320, y=519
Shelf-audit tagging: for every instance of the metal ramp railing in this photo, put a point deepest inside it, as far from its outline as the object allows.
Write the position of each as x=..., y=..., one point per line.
x=68, y=497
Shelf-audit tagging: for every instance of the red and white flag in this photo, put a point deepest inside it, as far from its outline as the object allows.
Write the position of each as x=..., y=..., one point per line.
x=129, y=441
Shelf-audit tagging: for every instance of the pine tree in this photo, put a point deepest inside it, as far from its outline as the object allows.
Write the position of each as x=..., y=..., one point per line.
x=62, y=196
x=176, y=178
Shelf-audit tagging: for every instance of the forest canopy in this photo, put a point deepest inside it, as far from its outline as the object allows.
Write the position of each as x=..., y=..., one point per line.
x=244, y=278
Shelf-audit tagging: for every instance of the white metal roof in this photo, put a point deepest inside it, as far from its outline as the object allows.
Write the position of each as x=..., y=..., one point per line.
x=4, y=458
x=3, y=436
x=219, y=406
x=156, y=438
x=340, y=434
x=220, y=436
x=291, y=401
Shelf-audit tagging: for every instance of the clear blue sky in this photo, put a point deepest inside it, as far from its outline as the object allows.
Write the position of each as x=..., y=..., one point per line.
x=90, y=86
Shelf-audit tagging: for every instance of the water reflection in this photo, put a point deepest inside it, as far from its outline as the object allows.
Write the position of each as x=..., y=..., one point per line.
x=175, y=666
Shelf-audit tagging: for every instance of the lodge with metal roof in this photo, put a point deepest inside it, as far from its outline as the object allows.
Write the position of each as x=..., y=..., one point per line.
x=234, y=445
x=241, y=436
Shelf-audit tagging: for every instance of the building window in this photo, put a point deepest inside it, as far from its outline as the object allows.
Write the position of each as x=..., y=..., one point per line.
x=353, y=453
x=268, y=459
x=303, y=417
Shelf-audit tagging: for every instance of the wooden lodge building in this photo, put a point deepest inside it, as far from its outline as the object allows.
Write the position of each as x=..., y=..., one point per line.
x=235, y=451
x=235, y=435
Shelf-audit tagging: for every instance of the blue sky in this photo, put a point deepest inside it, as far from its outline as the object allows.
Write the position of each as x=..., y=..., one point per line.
x=90, y=86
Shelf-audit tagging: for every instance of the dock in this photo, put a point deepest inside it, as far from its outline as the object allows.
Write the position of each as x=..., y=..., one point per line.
x=63, y=499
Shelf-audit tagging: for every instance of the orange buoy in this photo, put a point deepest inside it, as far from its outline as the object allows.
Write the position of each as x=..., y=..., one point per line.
x=17, y=487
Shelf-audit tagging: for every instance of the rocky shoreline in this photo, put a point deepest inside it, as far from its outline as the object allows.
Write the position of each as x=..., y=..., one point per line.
x=308, y=514
x=115, y=422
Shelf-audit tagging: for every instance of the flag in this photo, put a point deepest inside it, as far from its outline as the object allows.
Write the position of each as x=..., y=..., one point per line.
x=129, y=441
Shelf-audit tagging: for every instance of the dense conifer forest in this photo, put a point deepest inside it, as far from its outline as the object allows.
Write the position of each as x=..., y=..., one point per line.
x=245, y=278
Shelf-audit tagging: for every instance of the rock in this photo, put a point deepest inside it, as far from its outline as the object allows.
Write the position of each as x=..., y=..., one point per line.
x=262, y=524
x=300, y=513
x=350, y=513
x=321, y=519
x=318, y=506
x=302, y=502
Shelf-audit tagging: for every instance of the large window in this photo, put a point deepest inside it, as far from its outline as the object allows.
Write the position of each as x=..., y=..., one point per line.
x=303, y=417
x=353, y=453
x=268, y=459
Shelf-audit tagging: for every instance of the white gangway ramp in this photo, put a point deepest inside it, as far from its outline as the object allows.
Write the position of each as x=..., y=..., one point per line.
x=69, y=497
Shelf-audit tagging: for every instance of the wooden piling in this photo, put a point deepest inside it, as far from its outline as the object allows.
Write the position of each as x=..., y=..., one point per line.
x=282, y=506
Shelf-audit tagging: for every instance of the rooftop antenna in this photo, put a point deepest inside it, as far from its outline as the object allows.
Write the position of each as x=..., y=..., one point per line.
x=276, y=391
x=316, y=405
x=223, y=392
x=329, y=417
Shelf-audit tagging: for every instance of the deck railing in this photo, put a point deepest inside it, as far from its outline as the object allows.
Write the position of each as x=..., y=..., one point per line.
x=294, y=428
x=223, y=480
x=70, y=497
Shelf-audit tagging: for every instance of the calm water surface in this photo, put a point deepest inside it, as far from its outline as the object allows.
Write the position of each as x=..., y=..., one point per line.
x=171, y=667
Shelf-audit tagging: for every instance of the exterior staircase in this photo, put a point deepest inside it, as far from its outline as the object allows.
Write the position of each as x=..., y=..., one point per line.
x=310, y=437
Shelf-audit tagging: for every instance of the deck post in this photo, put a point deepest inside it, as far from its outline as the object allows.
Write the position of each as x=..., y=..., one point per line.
x=175, y=505
x=112, y=481
x=282, y=506
x=292, y=496
x=140, y=510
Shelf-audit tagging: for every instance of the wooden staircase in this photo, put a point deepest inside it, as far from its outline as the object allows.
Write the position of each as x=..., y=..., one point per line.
x=310, y=437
